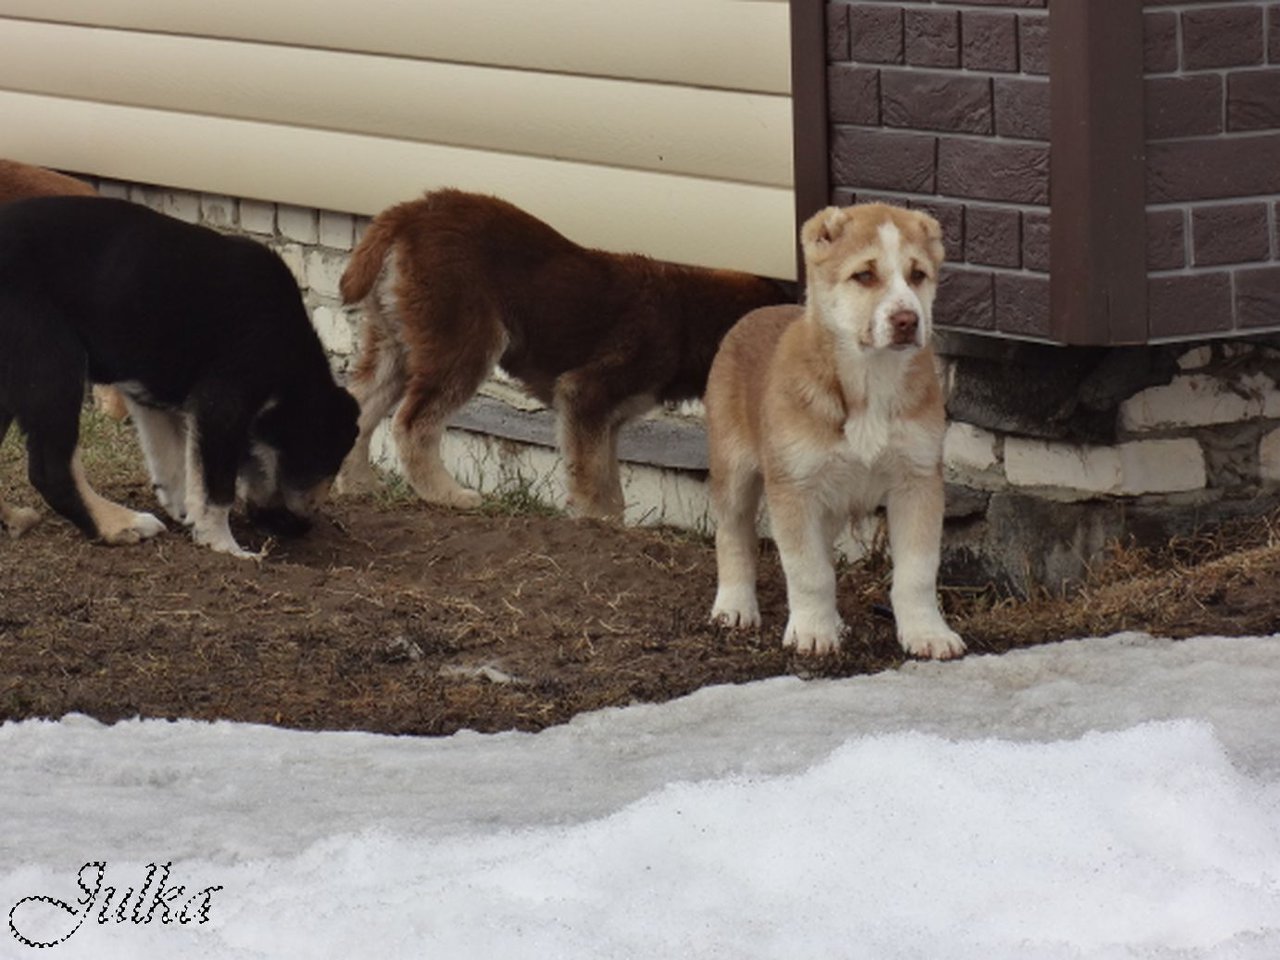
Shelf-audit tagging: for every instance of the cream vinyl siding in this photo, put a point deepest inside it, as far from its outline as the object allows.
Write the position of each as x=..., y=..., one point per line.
x=664, y=128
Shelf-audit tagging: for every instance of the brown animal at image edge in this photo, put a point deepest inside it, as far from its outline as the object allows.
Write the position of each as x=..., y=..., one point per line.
x=454, y=284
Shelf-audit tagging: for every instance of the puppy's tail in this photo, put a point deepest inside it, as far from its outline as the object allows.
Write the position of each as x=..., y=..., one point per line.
x=367, y=259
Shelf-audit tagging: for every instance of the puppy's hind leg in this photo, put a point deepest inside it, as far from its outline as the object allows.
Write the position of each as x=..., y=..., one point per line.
x=446, y=365
x=419, y=430
x=54, y=468
x=377, y=382
x=15, y=520
x=57, y=473
x=117, y=524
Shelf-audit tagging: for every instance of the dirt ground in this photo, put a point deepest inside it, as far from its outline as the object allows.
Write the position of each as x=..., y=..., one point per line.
x=397, y=617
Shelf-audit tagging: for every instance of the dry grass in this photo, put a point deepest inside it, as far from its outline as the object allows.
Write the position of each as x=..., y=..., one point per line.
x=1130, y=587
x=1220, y=580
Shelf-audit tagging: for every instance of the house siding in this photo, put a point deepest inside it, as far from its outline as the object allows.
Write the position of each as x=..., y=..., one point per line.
x=677, y=116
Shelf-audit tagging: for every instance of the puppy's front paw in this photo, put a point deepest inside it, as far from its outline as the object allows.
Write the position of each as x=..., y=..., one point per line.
x=18, y=520
x=938, y=643
x=448, y=493
x=138, y=527
x=736, y=607
x=240, y=553
x=217, y=537
x=814, y=634
x=356, y=479
x=464, y=499
x=229, y=547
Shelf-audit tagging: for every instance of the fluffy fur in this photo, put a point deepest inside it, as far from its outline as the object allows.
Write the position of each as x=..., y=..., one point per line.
x=455, y=283
x=832, y=410
x=18, y=181
x=209, y=341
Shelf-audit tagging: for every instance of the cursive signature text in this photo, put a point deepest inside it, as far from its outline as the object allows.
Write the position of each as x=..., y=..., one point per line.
x=155, y=900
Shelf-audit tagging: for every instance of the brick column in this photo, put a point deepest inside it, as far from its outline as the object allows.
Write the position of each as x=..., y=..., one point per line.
x=944, y=107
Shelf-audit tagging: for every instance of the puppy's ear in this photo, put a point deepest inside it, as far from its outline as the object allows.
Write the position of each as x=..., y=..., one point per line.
x=932, y=230
x=822, y=230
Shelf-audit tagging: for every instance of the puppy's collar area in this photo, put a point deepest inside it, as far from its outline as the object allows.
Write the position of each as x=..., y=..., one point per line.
x=871, y=379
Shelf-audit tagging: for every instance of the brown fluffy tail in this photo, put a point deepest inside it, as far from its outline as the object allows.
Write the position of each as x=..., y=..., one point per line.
x=367, y=259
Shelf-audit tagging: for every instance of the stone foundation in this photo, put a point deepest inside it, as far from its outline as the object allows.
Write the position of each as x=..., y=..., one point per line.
x=1051, y=453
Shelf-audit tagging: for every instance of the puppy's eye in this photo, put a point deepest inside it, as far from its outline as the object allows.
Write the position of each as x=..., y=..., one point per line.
x=917, y=277
x=866, y=278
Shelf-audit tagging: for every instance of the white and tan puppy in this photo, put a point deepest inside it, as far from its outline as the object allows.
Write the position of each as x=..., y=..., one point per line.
x=832, y=410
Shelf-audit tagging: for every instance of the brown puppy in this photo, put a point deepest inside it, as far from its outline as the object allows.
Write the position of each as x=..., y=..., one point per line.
x=832, y=410
x=21, y=180
x=455, y=283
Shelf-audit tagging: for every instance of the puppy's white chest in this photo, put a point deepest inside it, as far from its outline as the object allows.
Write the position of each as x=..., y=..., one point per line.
x=857, y=470
x=867, y=438
x=878, y=450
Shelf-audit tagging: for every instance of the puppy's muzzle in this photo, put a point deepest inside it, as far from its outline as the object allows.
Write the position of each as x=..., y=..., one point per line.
x=905, y=328
x=279, y=520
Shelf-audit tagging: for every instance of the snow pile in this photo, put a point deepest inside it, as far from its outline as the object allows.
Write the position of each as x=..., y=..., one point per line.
x=1106, y=798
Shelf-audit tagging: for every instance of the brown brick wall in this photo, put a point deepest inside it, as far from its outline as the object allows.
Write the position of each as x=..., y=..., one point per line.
x=944, y=107
x=1212, y=94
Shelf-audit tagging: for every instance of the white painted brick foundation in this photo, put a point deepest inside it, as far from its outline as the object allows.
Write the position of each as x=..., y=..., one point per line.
x=183, y=206
x=114, y=190
x=1128, y=469
x=1161, y=466
x=1038, y=463
x=299, y=224
x=337, y=230
x=1198, y=400
x=258, y=217
x=969, y=451
x=1196, y=358
x=337, y=332
x=219, y=212
x=324, y=271
x=1269, y=457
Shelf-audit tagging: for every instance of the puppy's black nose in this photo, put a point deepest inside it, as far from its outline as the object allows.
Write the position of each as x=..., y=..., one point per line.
x=904, y=324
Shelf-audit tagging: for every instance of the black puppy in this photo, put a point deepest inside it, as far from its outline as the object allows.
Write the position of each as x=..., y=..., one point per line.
x=207, y=338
